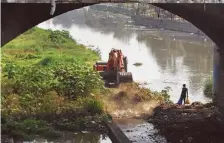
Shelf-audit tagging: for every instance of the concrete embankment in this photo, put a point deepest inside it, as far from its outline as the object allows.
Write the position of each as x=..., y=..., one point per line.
x=116, y=134
x=149, y=22
x=166, y=24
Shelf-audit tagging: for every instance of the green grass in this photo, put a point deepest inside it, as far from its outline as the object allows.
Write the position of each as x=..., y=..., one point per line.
x=37, y=44
x=47, y=78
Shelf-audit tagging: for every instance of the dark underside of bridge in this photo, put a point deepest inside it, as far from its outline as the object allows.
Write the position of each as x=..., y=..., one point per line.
x=19, y=17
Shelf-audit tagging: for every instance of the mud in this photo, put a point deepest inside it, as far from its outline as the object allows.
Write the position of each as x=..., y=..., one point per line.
x=188, y=124
x=129, y=101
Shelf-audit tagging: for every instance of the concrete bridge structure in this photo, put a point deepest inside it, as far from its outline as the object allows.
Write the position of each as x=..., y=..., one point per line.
x=20, y=15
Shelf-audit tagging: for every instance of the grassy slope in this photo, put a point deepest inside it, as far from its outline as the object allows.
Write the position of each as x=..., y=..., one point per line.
x=38, y=47
x=35, y=45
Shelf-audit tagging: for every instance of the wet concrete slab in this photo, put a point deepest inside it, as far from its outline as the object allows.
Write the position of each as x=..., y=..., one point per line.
x=139, y=131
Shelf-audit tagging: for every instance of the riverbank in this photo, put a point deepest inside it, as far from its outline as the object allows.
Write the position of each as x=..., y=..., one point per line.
x=48, y=86
x=149, y=22
x=188, y=124
x=131, y=100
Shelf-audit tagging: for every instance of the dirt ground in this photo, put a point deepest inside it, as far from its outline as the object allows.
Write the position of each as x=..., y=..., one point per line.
x=196, y=123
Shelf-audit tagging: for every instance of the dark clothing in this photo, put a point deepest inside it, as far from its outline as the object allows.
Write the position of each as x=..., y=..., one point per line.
x=184, y=93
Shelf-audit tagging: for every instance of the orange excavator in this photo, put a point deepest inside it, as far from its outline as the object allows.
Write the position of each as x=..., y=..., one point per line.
x=115, y=69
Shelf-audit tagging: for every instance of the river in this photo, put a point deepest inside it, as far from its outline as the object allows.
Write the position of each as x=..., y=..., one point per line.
x=168, y=58
x=68, y=137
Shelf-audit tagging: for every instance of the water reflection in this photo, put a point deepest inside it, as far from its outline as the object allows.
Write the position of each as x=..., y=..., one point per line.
x=182, y=57
x=76, y=138
x=169, y=58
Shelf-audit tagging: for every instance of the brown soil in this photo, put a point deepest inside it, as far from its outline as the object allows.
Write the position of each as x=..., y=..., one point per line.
x=196, y=123
x=130, y=100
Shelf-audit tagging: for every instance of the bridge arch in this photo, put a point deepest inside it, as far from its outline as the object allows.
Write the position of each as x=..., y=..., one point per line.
x=19, y=17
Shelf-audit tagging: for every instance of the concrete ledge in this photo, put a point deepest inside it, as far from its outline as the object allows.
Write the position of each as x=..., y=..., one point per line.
x=116, y=134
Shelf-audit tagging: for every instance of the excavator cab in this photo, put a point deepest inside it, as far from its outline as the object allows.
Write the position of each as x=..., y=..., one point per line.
x=115, y=69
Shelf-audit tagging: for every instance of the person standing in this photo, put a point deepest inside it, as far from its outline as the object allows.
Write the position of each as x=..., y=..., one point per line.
x=184, y=93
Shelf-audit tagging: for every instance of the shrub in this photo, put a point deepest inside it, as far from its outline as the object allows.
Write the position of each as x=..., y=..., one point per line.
x=10, y=70
x=208, y=87
x=10, y=105
x=31, y=126
x=46, y=61
x=93, y=106
x=162, y=96
x=59, y=37
x=75, y=80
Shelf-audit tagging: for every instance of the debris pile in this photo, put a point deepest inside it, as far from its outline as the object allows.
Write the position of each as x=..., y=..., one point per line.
x=188, y=124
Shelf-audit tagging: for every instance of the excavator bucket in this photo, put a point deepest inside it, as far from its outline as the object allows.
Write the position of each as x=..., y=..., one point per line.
x=109, y=76
x=118, y=77
x=115, y=78
x=125, y=77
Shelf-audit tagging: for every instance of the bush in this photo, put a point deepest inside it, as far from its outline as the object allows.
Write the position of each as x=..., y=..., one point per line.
x=208, y=87
x=10, y=105
x=10, y=70
x=93, y=106
x=59, y=37
x=75, y=80
x=67, y=80
x=46, y=61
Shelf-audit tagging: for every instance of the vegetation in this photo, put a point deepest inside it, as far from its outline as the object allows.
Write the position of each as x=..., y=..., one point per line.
x=48, y=84
x=208, y=87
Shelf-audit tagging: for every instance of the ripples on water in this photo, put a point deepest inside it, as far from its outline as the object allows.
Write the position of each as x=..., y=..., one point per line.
x=168, y=58
x=84, y=137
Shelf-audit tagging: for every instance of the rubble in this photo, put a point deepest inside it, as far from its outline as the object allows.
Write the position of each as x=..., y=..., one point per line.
x=194, y=123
